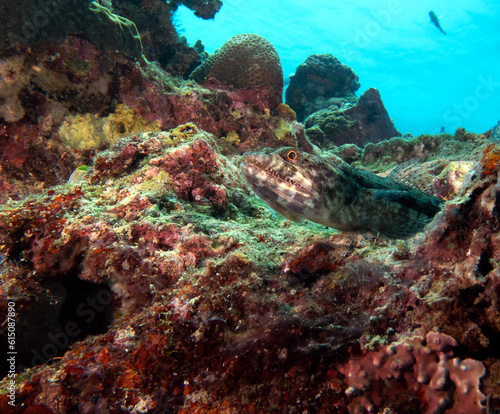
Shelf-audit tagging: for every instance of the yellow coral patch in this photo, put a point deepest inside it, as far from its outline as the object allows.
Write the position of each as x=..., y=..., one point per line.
x=286, y=112
x=80, y=132
x=283, y=129
x=125, y=122
x=454, y=175
x=182, y=133
x=89, y=132
x=232, y=138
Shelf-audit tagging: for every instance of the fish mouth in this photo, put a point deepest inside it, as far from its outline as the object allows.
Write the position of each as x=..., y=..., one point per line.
x=260, y=175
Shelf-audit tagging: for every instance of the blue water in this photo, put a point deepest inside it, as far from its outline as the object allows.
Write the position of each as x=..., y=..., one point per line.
x=427, y=80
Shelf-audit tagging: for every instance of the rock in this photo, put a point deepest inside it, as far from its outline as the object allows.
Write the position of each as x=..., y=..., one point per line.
x=451, y=382
x=351, y=121
x=322, y=93
x=206, y=9
x=316, y=80
x=28, y=22
x=160, y=40
x=495, y=132
x=11, y=82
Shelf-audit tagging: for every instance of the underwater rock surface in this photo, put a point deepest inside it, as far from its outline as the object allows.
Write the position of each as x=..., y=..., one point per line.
x=354, y=121
x=205, y=9
x=27, y=22
x=148, y=278
x=322, y=93
x=139, y=29
x=316, y=80
x=204, y=284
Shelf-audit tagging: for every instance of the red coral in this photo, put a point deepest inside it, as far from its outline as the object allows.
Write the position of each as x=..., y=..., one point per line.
x=195, y=173
x=132, y=209
x=317, y=259
x=37, y=225
x=154, y=238
x=105, y=165
x=429, y=371
x=24, y=157
x=195, y=249
x=491, y=160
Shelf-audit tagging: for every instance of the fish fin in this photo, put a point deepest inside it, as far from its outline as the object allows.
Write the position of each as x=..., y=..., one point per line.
x=414, y=175
x=286, y=213
x=405, y=231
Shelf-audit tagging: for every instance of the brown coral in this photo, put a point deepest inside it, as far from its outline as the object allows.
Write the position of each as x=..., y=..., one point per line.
x=244, y=60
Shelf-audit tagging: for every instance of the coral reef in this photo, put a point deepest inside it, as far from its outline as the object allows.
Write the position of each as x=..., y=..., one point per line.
x=355, y=121
x=245, y=60
x=10, y=84
x=193, y=282
x=463, y=146
x=495, y=132
x=27, y=23
x=72, y=93
x=140, y=29
x=316, y=80
x=146, y=277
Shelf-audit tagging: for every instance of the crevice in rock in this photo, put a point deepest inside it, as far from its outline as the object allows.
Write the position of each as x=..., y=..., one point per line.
x=66, y=311
x=484, y=265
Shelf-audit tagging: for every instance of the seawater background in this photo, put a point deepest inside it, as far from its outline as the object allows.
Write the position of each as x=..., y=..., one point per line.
x=426, y=79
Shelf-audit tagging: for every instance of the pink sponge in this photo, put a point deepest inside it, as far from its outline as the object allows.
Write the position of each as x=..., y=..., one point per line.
x=443, y=383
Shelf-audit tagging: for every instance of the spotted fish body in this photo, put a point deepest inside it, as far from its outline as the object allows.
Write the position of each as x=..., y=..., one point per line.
x=329, y=191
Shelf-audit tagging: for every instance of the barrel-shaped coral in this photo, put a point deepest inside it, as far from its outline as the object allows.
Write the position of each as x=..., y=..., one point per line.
x=244, y=60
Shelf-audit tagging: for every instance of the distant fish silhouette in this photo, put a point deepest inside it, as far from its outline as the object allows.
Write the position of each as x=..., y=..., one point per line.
x=435, y=21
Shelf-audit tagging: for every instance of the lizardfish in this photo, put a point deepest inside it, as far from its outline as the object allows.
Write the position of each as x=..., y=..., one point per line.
x=435, y=20
x=329, y=191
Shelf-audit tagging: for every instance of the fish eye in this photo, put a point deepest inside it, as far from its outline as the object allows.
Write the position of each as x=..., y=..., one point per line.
x=292, y=155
